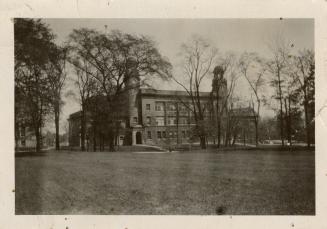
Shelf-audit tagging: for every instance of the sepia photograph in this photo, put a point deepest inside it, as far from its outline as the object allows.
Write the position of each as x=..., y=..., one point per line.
x=132, y=116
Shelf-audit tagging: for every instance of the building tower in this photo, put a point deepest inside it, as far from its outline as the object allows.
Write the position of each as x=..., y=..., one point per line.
x=219, y=83
x=132, y=84
x=218, y=96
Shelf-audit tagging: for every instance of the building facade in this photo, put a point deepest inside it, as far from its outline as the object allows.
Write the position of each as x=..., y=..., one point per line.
x=154, y=117
x=165, y=117
x=24, y=136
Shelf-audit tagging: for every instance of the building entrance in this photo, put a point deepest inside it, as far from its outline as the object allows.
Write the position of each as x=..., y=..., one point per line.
x=138, y=138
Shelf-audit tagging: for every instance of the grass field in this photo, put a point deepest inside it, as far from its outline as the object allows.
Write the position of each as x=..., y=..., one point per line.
x=231, y=182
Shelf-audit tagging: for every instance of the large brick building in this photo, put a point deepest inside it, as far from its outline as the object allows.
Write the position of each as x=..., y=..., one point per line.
x=155, y=117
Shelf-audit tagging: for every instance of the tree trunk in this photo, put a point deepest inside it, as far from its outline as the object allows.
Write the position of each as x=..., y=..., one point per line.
x=287, y=115
x=94, y=138
x=218, y=119
x=307, y=124
x=57, y=116
x=38, y=139
x=256, y=132
x=244, y=140
x=111, y=143
x=101, y=142
x=83, y=128
x=257, y=118
x=219, y=133
x=116, y=134
x=203, y=142
x=116, y=140
x=227, y=132
x=281, y=109
x=177, y=130
x=234, y=138
x=281, y=123
x=290, y=120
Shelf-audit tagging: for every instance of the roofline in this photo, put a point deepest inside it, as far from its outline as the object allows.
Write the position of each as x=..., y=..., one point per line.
x=74, y=114
x=169, y=93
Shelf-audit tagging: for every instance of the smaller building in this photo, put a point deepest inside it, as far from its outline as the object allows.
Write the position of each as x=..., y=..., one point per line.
x=244, y=118
x=24, y=135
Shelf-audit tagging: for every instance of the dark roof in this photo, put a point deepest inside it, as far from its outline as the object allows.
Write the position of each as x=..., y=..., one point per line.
x=149, y=91
x=75, y=114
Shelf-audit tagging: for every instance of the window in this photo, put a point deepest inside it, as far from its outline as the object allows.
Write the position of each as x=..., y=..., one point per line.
x=206, y=107
x=171, y=107
x=148, y=120
x=183, y=120
x=134, y=119
x=175, y=134
x=164, y=134
x=172, y=121
x=122, y=124
x=149, y=135
x=160, y=121
x=22, y=132
x=158, y=134
x=148, y=107
x=183, y=133
x=182, y=107
x=159, y=106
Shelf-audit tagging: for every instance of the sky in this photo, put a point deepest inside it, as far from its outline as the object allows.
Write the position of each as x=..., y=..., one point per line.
x=235, y=35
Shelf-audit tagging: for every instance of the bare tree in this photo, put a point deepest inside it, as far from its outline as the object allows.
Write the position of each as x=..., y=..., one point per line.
x=234, y=120
x=198, y=57
x=225, y=77
x=33, y=42
x=252, y=68
x=291, y=102
x=304, y=75
x=280, y=50
x=118, y=59
x=87, y=88
x=56, y=71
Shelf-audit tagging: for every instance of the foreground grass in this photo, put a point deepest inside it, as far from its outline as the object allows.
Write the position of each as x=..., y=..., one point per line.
x=233, y=182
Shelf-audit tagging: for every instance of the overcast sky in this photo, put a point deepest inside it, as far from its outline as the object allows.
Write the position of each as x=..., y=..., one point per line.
x=236, y=35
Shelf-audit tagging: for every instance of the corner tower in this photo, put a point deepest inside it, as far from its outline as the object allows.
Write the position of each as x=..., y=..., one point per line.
x=219, y=83
x=132, y=85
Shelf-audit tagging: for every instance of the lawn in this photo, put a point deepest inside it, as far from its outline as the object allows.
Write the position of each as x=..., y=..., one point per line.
x=202, y=183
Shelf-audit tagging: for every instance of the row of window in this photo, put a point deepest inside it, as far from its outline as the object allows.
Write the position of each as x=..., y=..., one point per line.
x=159, y=106
x=168, y=134
x=171, y=121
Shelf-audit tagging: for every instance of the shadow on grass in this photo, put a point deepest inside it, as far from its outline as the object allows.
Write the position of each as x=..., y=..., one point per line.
x=276, y=148
x=29, y=182
x=30, y=154
x=221, y=210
